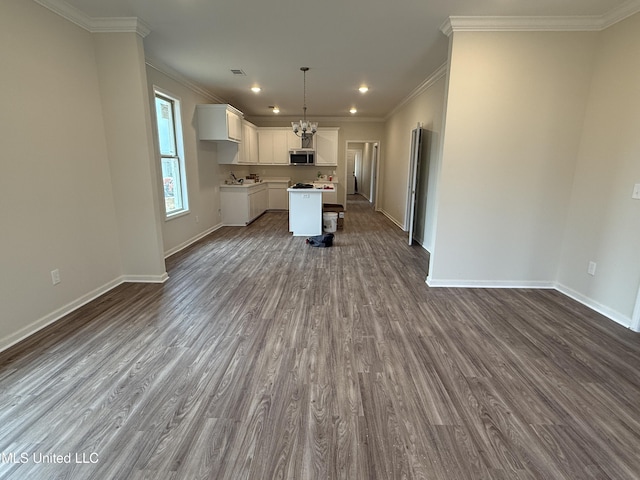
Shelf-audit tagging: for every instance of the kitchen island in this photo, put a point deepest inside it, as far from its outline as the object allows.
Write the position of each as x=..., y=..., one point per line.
x=305, y=211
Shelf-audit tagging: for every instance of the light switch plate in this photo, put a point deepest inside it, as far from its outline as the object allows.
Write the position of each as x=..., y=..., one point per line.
x=636, y=191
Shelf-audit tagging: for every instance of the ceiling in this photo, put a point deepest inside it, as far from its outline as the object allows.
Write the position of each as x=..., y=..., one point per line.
x=390, y=46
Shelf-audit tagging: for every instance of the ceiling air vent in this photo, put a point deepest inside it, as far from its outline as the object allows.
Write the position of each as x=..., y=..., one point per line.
x=237, y=71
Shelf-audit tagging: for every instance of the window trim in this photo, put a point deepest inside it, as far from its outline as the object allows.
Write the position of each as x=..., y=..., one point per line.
x=179, y=144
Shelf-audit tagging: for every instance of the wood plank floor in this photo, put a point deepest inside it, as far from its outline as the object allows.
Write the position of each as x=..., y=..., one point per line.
x=264, y=358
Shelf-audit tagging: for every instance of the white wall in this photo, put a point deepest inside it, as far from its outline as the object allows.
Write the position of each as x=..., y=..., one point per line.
x=604, y=222
x=130, y=145
x=515, y=111
x=57, y=209
x=201, y=165
x=426, y=108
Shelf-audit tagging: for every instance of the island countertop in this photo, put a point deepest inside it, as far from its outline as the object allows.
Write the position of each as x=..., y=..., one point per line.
x=304, y=190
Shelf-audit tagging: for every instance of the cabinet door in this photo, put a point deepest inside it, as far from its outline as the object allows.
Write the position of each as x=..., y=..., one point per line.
x=278, y=197
x=293, y=141
x=272, y=146
x=258, y=198
x=265, y=146
x=234, y=206
x=263, y=200
x=280, y=147
x=249, y=150
x=219, y=122
x=234, y=125
x=327, y=147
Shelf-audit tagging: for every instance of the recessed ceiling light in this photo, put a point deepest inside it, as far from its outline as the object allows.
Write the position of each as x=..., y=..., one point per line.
x=256, y=89
x=274, y=108
x=364, y=89
x=353, y=110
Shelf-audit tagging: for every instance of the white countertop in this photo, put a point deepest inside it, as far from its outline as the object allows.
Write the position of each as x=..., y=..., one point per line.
x=241, y=185
x=325, y=179
x=325, y=186
x=304, y=190
x=276, y=179
x=263, y=180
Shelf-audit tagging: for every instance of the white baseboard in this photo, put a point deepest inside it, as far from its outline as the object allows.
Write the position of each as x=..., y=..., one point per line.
x=70, y=307
x=145, y=278
x=488, y=284
x=192, y=240
x=56, y=315
x=595, y=306
x=399, y=225
x=578, y=297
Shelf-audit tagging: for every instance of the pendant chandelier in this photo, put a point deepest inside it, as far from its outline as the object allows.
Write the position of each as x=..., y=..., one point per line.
x=303, y=128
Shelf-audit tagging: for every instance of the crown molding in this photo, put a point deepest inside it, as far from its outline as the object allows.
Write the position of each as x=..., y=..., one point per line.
x=540, y=24
x=520, y=24
x=440, y=72
x=119, y=25
x=270, y=120
x=181, y=79
x=67, y=11
x=618, y=14
x=98, y=24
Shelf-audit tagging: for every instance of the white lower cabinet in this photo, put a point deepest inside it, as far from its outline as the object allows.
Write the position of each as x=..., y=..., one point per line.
x=258, y=201
x=241, y=204
x=278, y=197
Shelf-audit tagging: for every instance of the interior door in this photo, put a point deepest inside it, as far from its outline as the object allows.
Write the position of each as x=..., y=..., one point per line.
x=635, y=317
x=351, y=171
x=374, y=173
x=414, y=167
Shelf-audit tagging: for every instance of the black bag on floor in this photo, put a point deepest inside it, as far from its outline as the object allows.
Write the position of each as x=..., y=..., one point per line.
x=325, y=240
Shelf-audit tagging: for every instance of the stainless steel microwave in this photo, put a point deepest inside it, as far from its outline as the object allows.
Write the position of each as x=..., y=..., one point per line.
x=302, y=157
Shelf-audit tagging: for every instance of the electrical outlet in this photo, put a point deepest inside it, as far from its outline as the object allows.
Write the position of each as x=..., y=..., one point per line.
x=197, y=219
x=636, y=191
x=591, y=270
x=55, y=276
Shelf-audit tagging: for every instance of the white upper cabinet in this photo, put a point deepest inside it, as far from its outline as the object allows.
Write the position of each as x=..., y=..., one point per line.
x=273, y=146
x=249, y=146
x=295, y=142
x=219, y=122
x=326, y=141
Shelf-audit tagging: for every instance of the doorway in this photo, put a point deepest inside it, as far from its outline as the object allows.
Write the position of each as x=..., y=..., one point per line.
x=361, y=169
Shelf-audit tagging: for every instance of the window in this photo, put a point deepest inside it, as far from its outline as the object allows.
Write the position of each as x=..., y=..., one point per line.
x=174, y=182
